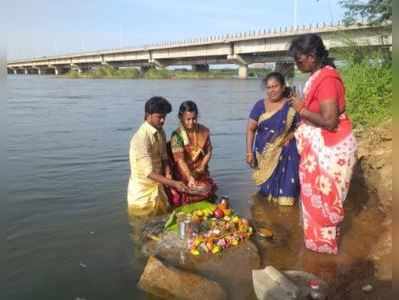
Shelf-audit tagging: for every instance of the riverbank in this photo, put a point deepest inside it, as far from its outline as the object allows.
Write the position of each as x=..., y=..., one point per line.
x=108, y=72
x=372, y=182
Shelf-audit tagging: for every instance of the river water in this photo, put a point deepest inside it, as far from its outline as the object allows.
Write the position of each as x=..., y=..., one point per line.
x=67, y=227
x=68, y=233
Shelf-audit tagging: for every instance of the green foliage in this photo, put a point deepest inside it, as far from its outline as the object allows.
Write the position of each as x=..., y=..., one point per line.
x=110, y=72
x=368, y=83
x=373, y=11
x=154, y=73
x=73, y=74
x=106, y=72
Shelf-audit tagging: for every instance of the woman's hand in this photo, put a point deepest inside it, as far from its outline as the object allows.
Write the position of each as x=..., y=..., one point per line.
x=251, y=159
x=191, y=182
x=180, y=186
x=200, y=170
x=296, y=103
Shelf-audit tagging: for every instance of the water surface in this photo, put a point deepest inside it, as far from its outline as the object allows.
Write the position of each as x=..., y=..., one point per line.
x=67, y=232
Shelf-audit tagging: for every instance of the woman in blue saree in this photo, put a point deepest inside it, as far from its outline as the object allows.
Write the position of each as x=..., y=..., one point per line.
x=271, y=146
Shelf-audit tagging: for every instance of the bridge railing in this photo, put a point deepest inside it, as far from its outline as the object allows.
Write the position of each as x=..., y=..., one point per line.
x=214, y=39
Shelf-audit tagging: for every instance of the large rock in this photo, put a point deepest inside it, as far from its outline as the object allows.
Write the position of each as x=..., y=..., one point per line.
x=171, y=283
x=232, y=269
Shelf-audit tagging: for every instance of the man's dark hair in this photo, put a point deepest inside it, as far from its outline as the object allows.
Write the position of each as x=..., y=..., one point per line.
x=157, y=105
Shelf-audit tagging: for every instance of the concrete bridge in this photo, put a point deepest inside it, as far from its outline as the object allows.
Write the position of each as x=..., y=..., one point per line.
x=241, y=49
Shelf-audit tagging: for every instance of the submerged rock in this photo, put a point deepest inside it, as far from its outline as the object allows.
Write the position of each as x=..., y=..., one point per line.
x=171, y=283
x=232, y=268
x=286, y=284
x=367, y=288
x=270, y=283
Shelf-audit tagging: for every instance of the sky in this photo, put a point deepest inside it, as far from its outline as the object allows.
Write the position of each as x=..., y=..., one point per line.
x=37, y=28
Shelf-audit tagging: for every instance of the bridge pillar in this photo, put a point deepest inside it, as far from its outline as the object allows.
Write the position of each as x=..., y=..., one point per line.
x=40, y=71
x=242, y=63
x=156, y=63
x=243, y=72
x=43, y=71
x=83, y=69
x=200, y=68
x=144, y=69
x=15, y=71
x=285, y=68
x=79, y=68
x=58, y=70
x=26, y=71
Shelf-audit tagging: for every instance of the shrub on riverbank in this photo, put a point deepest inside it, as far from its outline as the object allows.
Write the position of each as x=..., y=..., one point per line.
x=368, y=82
x=188, y=74
x=106, y=72
x=154, y=73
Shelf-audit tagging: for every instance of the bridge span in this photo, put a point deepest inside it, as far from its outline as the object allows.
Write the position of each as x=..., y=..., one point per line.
x=241, y=49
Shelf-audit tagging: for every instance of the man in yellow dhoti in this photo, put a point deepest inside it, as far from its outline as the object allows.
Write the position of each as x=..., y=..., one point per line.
x=149, y=164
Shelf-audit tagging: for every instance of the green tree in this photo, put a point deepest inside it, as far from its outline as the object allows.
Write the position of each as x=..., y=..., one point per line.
x=373, y=11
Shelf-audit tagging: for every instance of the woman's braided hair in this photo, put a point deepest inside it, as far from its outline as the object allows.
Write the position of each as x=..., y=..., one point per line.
x=308, y=44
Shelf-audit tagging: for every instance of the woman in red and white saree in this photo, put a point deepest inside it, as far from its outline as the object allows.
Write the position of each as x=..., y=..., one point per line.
x=325, y=143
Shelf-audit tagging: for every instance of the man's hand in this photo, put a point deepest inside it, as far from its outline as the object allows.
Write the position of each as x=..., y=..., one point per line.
x=168, y=175
x=168, y=170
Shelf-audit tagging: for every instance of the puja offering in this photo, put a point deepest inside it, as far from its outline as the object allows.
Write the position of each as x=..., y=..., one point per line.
x=212, y=228
x=185, y=227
